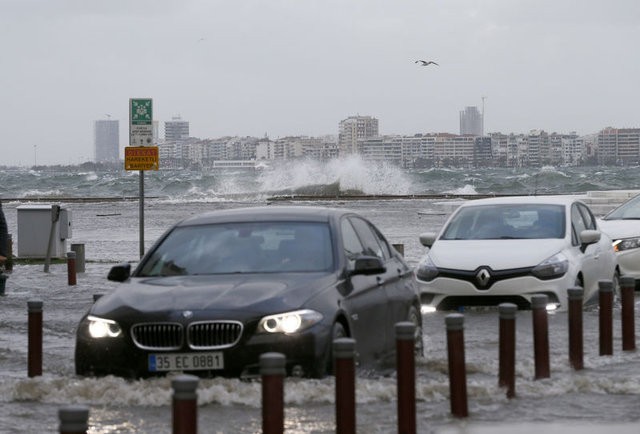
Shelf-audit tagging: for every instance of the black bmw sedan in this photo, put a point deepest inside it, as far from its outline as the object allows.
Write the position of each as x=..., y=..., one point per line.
x=219, y=289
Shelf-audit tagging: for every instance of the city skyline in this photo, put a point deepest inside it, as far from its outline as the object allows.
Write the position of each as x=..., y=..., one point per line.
x=298, y=68
x=177, y=129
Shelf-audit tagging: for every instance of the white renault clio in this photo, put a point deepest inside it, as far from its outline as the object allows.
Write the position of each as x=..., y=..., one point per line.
x=508, y=249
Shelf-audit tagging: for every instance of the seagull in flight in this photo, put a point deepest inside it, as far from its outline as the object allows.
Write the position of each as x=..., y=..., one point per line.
x=426, y=62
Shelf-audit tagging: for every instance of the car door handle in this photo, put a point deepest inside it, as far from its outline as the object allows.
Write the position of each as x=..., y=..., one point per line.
x=380, y=280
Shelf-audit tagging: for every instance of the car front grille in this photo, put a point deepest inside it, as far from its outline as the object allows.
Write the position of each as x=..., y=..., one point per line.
x=157, y=336
x=493, y=276
x=203, y=335
x=210, y=335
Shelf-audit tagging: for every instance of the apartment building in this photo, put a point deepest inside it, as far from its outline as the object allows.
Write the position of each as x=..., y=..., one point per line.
x=355, y=128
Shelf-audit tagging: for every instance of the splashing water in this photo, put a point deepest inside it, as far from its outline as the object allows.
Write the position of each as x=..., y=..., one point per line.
x=352, y=173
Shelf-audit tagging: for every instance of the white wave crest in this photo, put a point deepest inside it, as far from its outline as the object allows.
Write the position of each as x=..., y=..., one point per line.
x=353, y=173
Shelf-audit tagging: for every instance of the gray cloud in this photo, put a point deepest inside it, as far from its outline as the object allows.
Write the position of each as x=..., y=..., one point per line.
x=299, y=67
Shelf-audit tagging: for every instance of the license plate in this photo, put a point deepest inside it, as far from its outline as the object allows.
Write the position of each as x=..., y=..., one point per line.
x=186, y=361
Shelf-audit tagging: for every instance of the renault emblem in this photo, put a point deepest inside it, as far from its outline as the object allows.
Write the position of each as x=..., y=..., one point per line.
x=187, y=314
x=482, y=277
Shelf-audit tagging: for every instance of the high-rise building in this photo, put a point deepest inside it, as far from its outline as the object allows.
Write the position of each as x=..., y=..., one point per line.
x=471, y=122
x=355, y=128
x=176, y=129
x=106, y=141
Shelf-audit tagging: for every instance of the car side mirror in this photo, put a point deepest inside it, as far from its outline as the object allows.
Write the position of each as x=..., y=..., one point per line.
x=120, y=272
x=428, y=238
x=367, y=265
x=587, y=237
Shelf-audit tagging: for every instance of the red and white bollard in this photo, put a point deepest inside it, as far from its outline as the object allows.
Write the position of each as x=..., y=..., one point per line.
x=34, y=357
x=540, y=335
x=576, y=348
x=606, y=317
x=185, y=404
x=74, y=419
x=273, y=371
x=627, y=299
x=507, y=362
x=344, y=353
x=71, y=268
x=457, y=369
x=406, y=377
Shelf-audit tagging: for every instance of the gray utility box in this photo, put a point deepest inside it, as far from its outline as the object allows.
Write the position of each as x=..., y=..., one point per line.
x=35, y=227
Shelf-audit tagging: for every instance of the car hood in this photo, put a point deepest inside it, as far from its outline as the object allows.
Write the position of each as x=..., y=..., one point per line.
x=497, y=254
x=617, y=229
x=249, y=293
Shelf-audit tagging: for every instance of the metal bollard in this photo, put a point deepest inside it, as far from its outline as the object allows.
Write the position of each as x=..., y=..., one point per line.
x=627, y=296
x=8, y=264
x=71, y=268
x=576, y=347
x=406, y=377
x=540, y=335
x=507, y=363
x=272, y=370
x=606, y=317
x=79, y=249
x=74, y=419
x=185, y=404
x=457, y=370
x=34, y=358
x=344, y=352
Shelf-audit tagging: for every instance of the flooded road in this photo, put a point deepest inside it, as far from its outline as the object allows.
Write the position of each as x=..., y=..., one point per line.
x=607, y=391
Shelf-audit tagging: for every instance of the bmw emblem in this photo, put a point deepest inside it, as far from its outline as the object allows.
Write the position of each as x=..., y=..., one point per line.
x=483, y=276
x=187, y=314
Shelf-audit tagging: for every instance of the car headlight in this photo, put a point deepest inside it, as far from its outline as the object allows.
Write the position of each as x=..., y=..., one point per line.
x=103, y=328
x=289, y=322
x=626, y=244
x=551, y=268
x=426, y=269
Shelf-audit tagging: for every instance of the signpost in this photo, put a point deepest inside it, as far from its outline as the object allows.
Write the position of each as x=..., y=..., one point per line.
x=141, y=158
x=141, y=154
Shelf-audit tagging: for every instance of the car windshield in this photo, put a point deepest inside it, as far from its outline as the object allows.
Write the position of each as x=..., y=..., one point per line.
x=508, y=221
x=263, y=247
x=627, y=211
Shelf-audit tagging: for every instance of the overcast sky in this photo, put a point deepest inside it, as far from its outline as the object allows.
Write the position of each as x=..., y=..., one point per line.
x=298, y=67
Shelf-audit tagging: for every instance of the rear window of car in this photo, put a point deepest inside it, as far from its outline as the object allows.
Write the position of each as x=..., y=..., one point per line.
x=508, y=221
x=263, y=247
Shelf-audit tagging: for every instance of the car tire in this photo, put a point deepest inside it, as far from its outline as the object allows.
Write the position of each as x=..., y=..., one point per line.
x=415, y=317
x=325, y=366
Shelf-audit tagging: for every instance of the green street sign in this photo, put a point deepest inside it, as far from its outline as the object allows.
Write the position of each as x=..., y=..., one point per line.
x=140, y=111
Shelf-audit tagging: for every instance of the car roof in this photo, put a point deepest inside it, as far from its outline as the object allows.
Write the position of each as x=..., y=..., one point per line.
x=539, y=200
x=265, y=213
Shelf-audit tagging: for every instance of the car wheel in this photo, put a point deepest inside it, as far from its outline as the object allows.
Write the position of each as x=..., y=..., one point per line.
x=415, y=318
x=325, y=366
